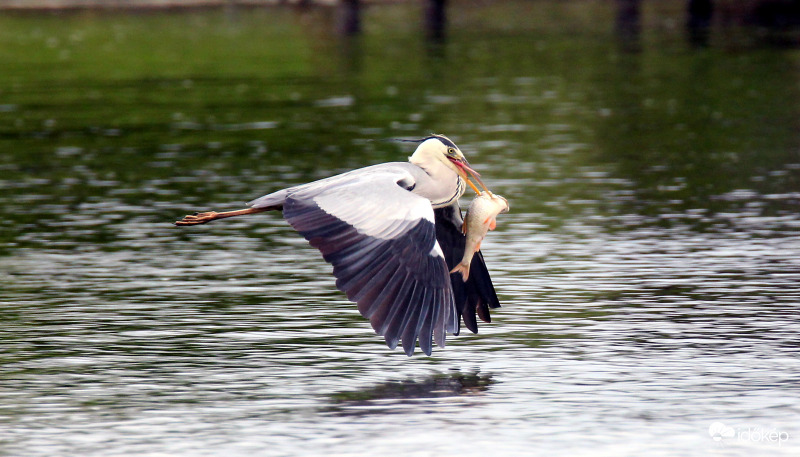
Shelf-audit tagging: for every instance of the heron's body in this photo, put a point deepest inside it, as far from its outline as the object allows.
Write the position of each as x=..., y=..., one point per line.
x=392, y=233
x=409, y=176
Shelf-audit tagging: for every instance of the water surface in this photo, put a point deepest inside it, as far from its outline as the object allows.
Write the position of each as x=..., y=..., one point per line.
x=648, y=269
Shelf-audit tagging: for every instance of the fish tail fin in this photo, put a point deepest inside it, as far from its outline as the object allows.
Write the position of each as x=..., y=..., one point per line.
x=462, y=268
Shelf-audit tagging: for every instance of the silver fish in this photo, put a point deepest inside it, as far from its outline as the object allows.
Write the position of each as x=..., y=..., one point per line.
x=481, y=217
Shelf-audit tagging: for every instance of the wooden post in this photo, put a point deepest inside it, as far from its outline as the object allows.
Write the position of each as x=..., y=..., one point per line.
x=698, y=22
x=349, y=17
x=435, y=19
x=628, y=25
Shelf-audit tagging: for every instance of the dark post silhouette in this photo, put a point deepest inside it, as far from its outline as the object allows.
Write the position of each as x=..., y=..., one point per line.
x=435, y=19
x=698, y=22
x=628, y=25
x=349, y=17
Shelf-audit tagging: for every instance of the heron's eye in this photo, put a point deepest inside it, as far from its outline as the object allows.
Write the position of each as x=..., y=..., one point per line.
x=451, y=151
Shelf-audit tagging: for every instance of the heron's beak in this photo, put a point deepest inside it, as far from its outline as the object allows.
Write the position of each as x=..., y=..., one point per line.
x=465, y=168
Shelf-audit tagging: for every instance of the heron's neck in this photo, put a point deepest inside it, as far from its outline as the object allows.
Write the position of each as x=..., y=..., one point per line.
x=444, y=186
x=418, y=159
x=432, y=167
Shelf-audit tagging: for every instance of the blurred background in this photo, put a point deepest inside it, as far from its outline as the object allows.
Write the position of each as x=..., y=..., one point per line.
x=648, y=269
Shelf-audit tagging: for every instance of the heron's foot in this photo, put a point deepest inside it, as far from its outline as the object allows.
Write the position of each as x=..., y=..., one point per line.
x=202, y=218
x=198, y=218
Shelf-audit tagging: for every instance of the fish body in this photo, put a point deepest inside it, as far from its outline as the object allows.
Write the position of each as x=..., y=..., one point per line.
x=481, y=217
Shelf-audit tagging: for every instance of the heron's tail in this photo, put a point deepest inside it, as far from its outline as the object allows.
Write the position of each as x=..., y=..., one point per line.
x=271, y=201
x=462, y=268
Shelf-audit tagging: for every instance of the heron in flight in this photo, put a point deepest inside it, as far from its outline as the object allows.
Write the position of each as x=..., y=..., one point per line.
x=392, y=232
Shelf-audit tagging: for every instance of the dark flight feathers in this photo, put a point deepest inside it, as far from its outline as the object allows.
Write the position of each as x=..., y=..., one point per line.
x=477, y=295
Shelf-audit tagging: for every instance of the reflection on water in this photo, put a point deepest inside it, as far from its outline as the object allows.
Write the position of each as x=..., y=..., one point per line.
x=648, y=270
x=394, y=396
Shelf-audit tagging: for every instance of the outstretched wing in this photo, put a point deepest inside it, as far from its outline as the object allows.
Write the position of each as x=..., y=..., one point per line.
x=477, y=294
x=381, y=240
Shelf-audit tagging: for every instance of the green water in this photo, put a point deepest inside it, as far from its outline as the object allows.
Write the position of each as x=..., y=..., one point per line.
x=648, y=269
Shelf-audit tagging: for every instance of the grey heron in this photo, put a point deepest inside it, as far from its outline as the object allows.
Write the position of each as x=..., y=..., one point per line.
x=392, y=232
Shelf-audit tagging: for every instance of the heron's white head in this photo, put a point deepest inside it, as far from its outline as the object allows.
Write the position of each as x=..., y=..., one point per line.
x=438, y=151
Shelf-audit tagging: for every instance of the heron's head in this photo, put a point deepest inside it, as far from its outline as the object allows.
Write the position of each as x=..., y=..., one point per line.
x=440, y=149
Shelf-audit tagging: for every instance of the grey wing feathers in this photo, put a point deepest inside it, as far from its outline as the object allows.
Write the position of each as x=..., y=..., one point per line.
x=381, y=240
